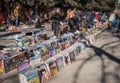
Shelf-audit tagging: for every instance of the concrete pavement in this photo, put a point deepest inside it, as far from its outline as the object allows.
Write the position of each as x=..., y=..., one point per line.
x=99, y=63
x=5, y=36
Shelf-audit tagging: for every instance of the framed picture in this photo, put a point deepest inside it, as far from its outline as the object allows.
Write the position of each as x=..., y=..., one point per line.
x=40, y=37
x=43, y=66
x=35, y=79
x=57, y=49
x=23, y=67
x=53, y=67
x=26, y=41
x=78, y=49
x=76, y=52
x=72, y=56
x=19, y=42
x=32, y=76
x=53, y=44
x=62, y=46
x=44, y=73
x=9, y=65
x=45, y=55
x=60, y=63
x=12, y=62
x=35, y=56
x=67, y=59
x=1, y=67
x=52, y=52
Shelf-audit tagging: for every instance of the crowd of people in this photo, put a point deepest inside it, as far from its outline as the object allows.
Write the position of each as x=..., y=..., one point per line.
x=74, y=18
x=79, y=20
x=20, y=14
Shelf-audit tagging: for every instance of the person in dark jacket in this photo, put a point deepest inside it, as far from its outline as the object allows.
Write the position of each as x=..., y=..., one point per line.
x=73, y=21
x=57, y=19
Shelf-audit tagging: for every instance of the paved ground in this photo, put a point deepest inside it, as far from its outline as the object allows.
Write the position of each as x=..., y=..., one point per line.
x=99, y=63
x=5, y=36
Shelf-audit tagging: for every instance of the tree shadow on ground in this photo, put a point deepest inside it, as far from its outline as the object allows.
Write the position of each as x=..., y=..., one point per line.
x=5, y=34
x=100, y=53
x=116, y=35
x=1, y=47
x=113, y=34
x=76, y=75
x=10, y=33
x=110, y=43
x=104, y=74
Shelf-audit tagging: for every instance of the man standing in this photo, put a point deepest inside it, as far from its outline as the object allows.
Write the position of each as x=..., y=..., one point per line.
x=57, y=20
x=118, y=23
x=17, y=16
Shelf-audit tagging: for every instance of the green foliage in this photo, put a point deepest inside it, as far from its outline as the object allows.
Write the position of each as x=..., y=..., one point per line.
x=103, y=5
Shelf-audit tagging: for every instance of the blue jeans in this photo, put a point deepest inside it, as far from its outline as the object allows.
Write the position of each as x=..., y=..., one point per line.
x=118, y=25
x=17, y=21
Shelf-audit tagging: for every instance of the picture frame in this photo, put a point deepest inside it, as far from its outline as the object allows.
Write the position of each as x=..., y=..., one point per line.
x=78, y=49
x=44, y=67
x=32, y=76
x=23, y=67
x=72, y=56
x=52, y=52
x=35, y=79
x=66, y=59
x=59, y=62
x=1, y=66
x=45, y=55
x=53, y=67
x=76, y=52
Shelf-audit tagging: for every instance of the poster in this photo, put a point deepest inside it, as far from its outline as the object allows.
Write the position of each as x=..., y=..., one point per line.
x=52, y=52
x=22, y=68
x=1, y=67
x=13, y=61
x=9, y=65
x=43, y=71
x=26, y=41
x=32, y=76
x=34, y=62
x=76, y=52
x=43, y=66
x=34, y=80
x=19, y=42
x=45, y=56
x=72, y=56
x=67, y=59
x=62, y=46
x=40, y=37
x=59, y=63
x=78, y=49
x=53, y=67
